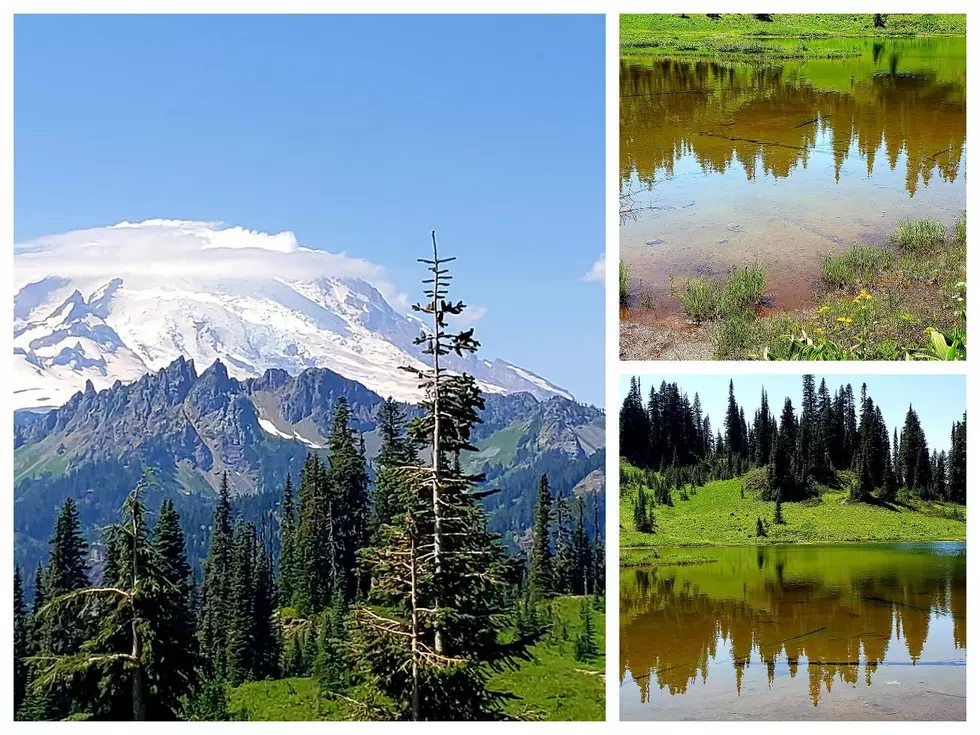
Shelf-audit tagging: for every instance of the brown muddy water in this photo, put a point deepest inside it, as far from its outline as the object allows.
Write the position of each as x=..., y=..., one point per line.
x=833, y=632
x=725, y=163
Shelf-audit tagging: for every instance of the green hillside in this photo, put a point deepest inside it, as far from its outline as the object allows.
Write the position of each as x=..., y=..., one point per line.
x=553, y=686
x=717, y=514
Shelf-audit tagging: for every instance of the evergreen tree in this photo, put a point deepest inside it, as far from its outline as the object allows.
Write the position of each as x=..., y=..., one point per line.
x=215, y=590
x=778, y=515
x=438, y=576
x=22, y=633
x=124, y=653
x=241, y=618
x=290, y=574
x=347, y=479
x=634, y=427
x=395, y=452
x=781, y=481
x=586, y=647
x=582, y=552
x=177, y=647
x=266, y=653
x=316, y=547
x=562, y=564
x=733, y=422
x=540, y=581
x=957, y=462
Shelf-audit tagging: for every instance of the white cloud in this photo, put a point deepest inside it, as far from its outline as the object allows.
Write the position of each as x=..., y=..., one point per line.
x=470, y=314
x=597, y=273
x=177, y=248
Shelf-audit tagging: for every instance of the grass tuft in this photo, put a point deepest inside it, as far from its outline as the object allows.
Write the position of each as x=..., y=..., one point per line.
x=746, y=287
x=860, y=264
x=920, y=234
x=701, y=299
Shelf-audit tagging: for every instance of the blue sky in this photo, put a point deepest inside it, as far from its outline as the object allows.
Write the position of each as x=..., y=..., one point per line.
x=939, y=400
x=358, y=133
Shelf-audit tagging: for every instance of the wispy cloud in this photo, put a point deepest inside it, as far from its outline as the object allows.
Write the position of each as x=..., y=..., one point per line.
x=470, y=314
x=186, y=249
x=597, y=273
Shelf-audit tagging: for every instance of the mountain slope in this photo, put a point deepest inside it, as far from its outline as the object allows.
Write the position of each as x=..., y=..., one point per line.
x=115, y=303
x=191, y=428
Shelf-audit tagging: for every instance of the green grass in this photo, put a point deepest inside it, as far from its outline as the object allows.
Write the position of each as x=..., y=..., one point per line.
x=556, y=686
x=878, y=303
x=920, y=234
x=745, y=288
x=701, y=299
x=860, y=264
x=624, y=285
x=499, y=448
x=740, y=33
x=704, y=299
x=295, y=699
x=718, y=515
x=34, y=460
x=552, y=686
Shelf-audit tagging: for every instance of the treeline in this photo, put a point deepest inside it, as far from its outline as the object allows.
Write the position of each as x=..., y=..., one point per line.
x=801, y=451
x=562, y=559
x=395, y=595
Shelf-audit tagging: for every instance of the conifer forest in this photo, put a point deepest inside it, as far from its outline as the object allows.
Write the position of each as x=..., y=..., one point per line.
x=372, y=590
x=834, y=442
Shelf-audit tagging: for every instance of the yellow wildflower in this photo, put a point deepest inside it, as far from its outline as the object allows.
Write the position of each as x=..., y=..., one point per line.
x=822, y=309
x=844, y=319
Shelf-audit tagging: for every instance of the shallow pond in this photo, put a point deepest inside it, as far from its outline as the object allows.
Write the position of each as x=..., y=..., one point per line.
x=845, y=632
x=724, y=163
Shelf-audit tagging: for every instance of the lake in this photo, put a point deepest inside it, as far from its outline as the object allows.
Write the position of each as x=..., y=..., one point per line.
x=725, y=163
x=837, y=632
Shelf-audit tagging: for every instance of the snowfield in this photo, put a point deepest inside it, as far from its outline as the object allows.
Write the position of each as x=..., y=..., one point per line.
x=113, y=303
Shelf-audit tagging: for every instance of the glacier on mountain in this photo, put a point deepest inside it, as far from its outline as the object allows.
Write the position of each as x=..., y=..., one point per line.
x=114, y=303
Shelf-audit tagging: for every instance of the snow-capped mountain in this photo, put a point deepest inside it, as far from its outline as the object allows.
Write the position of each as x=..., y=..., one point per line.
x=117, y=302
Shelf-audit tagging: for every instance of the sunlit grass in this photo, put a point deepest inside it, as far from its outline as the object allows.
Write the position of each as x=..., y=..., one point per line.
x=745, y=288
x=718, y=514
x=920, y=234
x=701, y=299
x=859, y=264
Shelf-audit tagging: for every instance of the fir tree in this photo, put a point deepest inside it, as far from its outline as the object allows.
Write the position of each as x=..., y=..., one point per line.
x=124, y=653
x=22, y=634
x=586, y=647
x=957, y=462
x=438, y=575
x=582, y=551
x=395, y=452
x=290, y=578
x=215, y=590
x=241, y=617
x=562, y=564
x=348, y=483
x=177, y=647
x=540, y=582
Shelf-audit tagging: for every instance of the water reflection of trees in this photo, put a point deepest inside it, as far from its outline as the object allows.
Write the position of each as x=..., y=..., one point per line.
x=769, y=120
x=673, y=622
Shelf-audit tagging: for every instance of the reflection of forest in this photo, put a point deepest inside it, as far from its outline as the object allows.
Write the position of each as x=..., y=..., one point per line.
x=769, y=118
x=673, y=619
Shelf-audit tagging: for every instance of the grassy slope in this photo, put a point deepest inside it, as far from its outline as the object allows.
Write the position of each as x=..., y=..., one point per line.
x=635, y=29
x=554, y=686
x=717, y=515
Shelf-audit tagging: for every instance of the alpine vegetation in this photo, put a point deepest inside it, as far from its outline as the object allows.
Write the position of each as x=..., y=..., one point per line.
x=372, y=590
